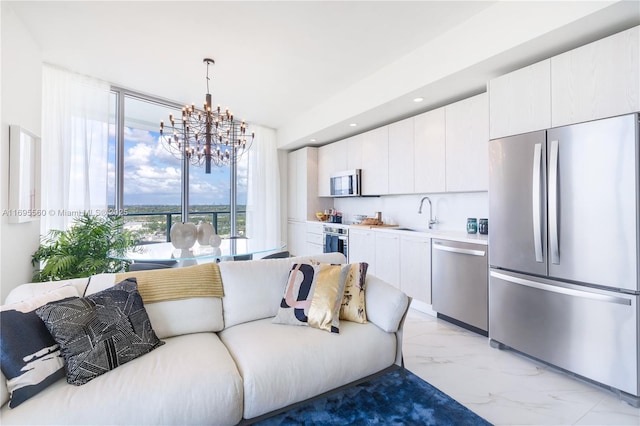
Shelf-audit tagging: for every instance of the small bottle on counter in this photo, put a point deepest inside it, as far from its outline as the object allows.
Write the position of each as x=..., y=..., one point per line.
x=472, y=225
x=483, y=226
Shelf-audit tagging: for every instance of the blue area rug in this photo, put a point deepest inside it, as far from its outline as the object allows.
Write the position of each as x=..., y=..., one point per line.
x=398, y=397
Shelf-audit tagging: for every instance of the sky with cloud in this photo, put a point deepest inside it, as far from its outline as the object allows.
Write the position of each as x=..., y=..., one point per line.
x=152, y=175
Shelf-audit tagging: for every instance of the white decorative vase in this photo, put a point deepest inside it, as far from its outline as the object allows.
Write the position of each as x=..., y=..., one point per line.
x=215, y=240
x=205, y=231
x=183, y=235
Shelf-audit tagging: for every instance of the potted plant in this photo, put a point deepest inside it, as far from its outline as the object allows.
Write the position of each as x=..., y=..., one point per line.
x=83, y=249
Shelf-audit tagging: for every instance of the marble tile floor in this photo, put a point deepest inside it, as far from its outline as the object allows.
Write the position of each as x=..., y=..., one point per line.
x=504, y=387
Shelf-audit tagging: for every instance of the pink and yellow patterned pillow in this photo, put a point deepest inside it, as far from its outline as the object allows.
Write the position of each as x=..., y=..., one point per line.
x=313, y=296
x=353, y=301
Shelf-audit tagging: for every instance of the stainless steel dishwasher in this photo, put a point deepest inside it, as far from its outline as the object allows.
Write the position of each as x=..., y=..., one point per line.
x=459, y=283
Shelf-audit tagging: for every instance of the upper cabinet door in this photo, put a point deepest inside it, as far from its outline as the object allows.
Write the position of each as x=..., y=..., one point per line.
x=401, y=153
x=332, y=158
x=598, y=80
x=354, y=152
x=375, y=162
x=467, y=133
x=520, y=102
x=429, y=152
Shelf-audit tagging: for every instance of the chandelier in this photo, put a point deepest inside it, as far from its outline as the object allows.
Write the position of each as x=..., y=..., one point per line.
x=206, y=136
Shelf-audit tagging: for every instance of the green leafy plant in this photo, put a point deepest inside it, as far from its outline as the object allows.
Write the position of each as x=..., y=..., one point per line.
x=83, y=249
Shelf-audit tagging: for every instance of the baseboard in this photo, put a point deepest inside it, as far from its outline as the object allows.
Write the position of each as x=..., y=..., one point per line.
x=423, y=307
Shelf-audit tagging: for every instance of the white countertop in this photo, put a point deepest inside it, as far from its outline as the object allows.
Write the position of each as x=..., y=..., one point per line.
x=460, y=236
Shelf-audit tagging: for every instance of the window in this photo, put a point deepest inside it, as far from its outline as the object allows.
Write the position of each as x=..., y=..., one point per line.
x=146, y=180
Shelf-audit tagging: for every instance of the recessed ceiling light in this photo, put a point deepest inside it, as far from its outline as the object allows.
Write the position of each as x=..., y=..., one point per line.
x=418, y=99
x=353, y=124
x=312, y=140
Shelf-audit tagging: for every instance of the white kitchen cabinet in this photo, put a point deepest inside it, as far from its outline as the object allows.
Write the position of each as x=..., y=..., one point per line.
x=598, y=80
x=315, y=239
x=429, y=152
x=296, y=238
x=520, y=101
x=415, y=267
x=401, y=153
x=332, y=158
x=302, y=184
x=375, y=162
x=362, y=247
x=467, y=144
x=388, y=257
x=354, y=152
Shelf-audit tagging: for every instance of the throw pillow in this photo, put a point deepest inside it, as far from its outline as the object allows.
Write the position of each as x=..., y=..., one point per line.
x=313, y=296
x=100, y=332
x=29, y=357
x=353, y=301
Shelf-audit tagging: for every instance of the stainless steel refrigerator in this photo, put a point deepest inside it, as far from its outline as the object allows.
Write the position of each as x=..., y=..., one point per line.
x=564, y=240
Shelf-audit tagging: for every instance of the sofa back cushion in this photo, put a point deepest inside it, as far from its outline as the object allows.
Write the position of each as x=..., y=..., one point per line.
x=198, y=311
x=253, y=289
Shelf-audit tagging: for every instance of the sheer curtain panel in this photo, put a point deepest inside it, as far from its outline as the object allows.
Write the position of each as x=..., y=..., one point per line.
x=75, y=132
x=263, y=192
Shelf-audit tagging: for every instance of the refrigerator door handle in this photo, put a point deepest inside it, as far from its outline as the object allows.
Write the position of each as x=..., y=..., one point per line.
x=536, y=201
x=562, y=290
x=553, y=204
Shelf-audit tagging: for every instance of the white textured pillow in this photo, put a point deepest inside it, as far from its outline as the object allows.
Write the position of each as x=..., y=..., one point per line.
x=173, y=317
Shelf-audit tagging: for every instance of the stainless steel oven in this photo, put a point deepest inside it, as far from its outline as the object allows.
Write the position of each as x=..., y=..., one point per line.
x=336, y=239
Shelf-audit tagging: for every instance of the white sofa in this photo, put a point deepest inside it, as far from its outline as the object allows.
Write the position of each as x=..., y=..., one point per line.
x=246, y=368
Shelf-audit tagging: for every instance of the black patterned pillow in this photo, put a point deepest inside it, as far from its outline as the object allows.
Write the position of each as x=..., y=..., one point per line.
x=100, y=332
x=29, y=357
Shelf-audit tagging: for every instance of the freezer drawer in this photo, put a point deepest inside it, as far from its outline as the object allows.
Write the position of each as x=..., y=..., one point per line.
x=592, y=333
x=459, y=281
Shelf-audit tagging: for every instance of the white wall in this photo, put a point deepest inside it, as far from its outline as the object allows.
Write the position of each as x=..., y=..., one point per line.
x=21, y=88
x=451, y=209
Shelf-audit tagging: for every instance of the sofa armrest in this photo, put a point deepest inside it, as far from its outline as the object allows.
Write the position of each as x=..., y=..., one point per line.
x=27, y=291
x=386, y=305
x=4, y=391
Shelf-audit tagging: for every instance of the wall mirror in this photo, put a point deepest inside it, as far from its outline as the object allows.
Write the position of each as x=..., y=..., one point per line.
x=24, y=175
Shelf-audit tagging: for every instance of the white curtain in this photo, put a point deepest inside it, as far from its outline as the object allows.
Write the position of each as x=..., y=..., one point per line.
x=263, y=191
x=75, y=138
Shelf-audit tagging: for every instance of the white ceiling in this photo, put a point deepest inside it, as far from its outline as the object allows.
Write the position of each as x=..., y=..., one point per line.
x=275, y=61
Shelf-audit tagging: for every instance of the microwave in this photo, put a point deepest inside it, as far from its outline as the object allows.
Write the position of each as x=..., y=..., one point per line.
x=346, y=184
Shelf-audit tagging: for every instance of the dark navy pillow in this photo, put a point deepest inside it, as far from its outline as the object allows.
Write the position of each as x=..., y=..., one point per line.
x=30, y=358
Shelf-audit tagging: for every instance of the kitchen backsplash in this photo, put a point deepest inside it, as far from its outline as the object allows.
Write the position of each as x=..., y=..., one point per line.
x=451, y=210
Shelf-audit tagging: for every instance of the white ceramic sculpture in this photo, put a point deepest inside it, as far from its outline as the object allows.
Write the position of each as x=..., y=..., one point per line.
x=183, y=235
x=205, y=231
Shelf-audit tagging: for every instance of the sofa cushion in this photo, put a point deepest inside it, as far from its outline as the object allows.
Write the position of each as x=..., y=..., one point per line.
x=29, y=357
x=174, y=317
x=313, y=296
x=190, y=380
x=100, y=332
x=303, y=361
x=253, y=289
x=353, y=301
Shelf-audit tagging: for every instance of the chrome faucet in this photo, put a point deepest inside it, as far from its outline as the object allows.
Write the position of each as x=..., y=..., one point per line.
x=431, y=220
